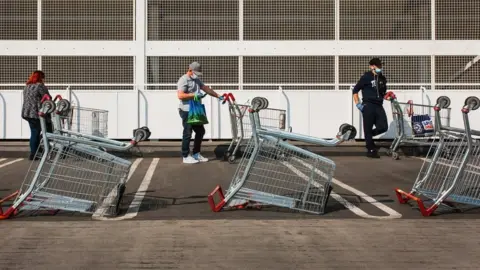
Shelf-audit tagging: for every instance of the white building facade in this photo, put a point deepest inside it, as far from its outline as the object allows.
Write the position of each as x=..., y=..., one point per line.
x=125, y=56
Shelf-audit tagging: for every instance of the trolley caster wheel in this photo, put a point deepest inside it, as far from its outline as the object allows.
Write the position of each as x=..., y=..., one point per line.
x=140, y=134
x=231, y=159
x=443, y=102
x=344, y=128
x=472, y=102
x=395, y=156
x=49, y=106
x=226, y=155
x=148, y=132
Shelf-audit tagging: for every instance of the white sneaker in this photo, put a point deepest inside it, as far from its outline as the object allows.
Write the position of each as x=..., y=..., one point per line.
x=200, y=158
x=190, y=160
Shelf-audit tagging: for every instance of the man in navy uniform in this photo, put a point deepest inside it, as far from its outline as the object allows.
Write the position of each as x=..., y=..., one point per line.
x=374, y=87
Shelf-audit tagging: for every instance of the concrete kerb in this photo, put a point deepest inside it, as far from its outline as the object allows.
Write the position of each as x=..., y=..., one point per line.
x=166, y=149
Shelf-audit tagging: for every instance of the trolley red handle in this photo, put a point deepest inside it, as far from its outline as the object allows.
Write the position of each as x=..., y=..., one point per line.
x=44, y=98
x=59, y=97
x=410, y=110
x=228, y=97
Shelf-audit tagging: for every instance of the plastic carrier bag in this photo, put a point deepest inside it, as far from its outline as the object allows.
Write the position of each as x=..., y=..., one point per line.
x=422, y=125
x=197, y=114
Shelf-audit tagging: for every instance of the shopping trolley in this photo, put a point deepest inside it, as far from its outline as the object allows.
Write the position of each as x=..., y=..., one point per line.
x=85, y=120
x=274, y=172
x=242, y=128
x=415, y=123
x=451, y=172
x=71, y=173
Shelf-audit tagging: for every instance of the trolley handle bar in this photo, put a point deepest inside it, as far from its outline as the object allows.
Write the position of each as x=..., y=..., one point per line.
x=57, y=97
x=228, y=97
x=45, y=98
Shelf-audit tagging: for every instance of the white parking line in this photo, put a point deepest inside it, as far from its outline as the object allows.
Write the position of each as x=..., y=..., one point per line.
x=392, y=214
x=139, y=195
x=11, y=162
x=98, y=215
x=2, y=159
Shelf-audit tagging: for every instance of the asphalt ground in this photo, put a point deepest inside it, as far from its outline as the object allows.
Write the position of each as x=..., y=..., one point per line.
x=165, y=222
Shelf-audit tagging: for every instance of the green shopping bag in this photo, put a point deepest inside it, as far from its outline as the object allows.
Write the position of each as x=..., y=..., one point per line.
x=197, y=114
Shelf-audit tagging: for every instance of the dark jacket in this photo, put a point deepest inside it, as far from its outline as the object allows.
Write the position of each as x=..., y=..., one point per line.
x=32, y=94
x=373, y=87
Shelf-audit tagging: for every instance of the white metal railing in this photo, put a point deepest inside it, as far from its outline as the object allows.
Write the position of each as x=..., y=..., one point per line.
x=236, y=84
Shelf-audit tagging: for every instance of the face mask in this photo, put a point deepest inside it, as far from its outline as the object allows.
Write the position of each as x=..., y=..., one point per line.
x=378, y=70
x=194, y=76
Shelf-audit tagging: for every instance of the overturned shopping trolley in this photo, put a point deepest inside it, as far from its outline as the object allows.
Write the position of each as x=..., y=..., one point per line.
x=72, y=173
x=415, y=123
x=451, y=174
x=274, y=172
x=242, y=127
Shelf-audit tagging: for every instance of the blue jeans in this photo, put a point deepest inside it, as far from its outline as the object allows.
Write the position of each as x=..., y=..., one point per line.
x=35, y=131
x=35, y=134
x=187, y=135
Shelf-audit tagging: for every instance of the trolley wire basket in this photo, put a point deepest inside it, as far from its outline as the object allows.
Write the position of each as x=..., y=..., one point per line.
x=415, y=123
x=241, y=126
x=72, y=173
x=85, y=120
x=274, y=172
x=451, y=172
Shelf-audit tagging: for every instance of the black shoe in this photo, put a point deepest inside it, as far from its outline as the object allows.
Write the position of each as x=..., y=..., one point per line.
x=373, y=154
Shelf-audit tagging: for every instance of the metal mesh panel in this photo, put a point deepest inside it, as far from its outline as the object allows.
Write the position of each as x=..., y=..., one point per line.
x=18, y=19
x=289, y=19
x=383, y=20
x=192, y=20
x=457, y=70
x=457, y=19
x=89, y=70
x=16, y=69
x=397, y=69
x=88, y=19
x=216, y=70
x=288, y=70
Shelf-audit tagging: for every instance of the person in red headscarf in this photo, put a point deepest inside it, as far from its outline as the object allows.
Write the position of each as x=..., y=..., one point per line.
x=33, y=92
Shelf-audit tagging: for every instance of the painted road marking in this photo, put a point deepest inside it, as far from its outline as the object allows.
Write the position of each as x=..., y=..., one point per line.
x=139, y=195
x=111, y=196
x=2, y=159
x=11, y=162
x=392, y=214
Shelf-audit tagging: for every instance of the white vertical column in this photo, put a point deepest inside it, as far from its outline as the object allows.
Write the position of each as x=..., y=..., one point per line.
x=140, y=58
x=240, y=38
x=39, y=31
x=433, y=28
x=337, y=38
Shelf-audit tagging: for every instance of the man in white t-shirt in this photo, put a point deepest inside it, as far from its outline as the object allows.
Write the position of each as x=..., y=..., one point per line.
x=189, y=86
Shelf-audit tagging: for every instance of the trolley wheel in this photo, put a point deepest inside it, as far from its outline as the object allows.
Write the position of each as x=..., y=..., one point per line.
x=148, y=132
x=473, y=102
x=226, y=155
x=259, y=103
x=140, y=134
x=395, y=156
x=347, y=127
x=231, y=159
x=63, y=106
x=50, y=105
x=443, y=102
